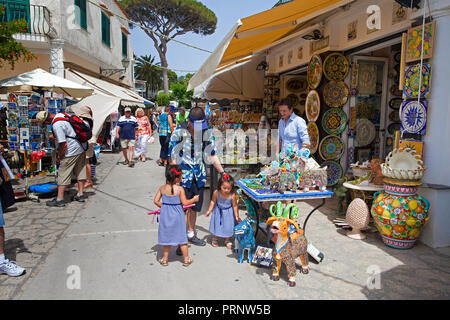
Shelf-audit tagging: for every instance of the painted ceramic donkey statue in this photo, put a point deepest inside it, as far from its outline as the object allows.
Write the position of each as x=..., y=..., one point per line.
x=243, y=232
x=290, y=241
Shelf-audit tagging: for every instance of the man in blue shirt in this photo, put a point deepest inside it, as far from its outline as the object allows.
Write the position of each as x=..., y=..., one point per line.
x=126, y=131
x=292, y=129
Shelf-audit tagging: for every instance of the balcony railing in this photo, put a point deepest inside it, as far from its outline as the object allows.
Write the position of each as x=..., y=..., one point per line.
x=37, y=16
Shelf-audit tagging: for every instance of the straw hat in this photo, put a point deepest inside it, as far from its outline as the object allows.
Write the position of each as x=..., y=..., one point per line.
x=41, y=116
x=84, y=112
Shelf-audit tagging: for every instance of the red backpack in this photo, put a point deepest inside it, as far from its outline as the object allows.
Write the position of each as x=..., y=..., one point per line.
x=82, y=130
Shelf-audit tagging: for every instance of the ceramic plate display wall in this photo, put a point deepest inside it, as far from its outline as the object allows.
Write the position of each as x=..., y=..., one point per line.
x=413, y=117
x=412, y=79
x=312, y=107
x=335, y=93
x=334, y=172
x=314, y=71
x=394, y=127
x=334, y=121
x=365, y=132
x=336, y=67
x=297, y=84
x=331, y=148
x=395, y=103
x=313, y=133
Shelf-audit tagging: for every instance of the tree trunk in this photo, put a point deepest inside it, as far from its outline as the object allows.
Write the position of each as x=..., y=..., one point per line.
x=165, y=76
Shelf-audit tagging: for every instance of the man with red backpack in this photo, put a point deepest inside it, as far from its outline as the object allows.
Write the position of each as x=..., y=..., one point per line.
x=71, y=134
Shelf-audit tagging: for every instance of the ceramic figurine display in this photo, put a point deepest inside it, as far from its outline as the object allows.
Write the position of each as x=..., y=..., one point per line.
x=358, y=218
x=245, y=237
x=290, y=242
x=399, y=212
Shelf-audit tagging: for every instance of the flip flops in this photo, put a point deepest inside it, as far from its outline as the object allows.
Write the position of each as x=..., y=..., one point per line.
x=163, y=262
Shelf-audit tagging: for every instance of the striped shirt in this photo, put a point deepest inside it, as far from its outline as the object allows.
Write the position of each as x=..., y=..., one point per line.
x=127, y=128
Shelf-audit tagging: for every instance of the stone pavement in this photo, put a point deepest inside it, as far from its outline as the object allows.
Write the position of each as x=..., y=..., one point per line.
x=114, y=243
x=32, y=229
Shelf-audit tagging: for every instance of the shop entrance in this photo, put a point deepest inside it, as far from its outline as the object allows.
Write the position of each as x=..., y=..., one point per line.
x=370, y=103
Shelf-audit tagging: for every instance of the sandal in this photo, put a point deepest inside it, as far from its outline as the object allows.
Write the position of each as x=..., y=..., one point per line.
x=163, y=262
x=229, y=245
x=188, y=262
x=215, y=243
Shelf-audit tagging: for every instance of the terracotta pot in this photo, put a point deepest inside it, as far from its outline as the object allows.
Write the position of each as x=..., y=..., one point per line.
x=399, y=214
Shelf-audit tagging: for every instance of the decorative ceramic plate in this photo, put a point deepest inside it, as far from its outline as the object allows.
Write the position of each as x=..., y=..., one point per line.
x=312, y=106
x=335, y=93
x=294, y=99
x=334, y=172
x=336, y=67
x=397, y=57
x=412, y=79
x=297, y=84
x=394, y=127
x=413, y=117
x=394, y=116
x=331, y=148
x=334, y=121
x=12, y=98
x=395, y=103
x=314, y=71
x=313, y=133
x=365, y=132
x=395, y=91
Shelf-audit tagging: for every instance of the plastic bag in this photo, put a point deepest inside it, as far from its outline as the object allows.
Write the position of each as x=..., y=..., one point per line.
x=151, y=140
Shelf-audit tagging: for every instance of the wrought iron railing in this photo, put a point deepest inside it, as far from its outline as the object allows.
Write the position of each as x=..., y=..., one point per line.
x=37, y=16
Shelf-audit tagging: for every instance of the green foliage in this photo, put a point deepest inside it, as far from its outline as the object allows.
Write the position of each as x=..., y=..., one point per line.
x=163, y=99
x=146, y=69
x=12, y=51
x=180, y=93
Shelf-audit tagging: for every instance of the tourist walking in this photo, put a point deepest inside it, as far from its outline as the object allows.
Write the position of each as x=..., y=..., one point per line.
x=126, y=132
x=144, y=131
x=166, y=127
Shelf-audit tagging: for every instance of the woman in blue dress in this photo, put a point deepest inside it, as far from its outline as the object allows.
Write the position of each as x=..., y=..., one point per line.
x=172, y=223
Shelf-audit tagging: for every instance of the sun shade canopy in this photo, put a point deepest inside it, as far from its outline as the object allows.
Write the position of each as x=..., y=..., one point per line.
x=262, y=29
x=41, y=79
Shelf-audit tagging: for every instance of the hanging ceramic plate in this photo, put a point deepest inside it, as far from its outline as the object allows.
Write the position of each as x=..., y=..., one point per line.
x=331, y=148
x=334, y=172
x=312, y=106
x=395, y=103
x=294, y=99
x=395, y=91
x=365, y=132
x=413, y=116
x=297, y=84
x=394, y=116
x=336, y=67
x=394, y=127
x=314, y=71
x=334, y=121
x=412, y=80
x=397, y=57
x=313, y=133
x=12, y=98
x=335, y=93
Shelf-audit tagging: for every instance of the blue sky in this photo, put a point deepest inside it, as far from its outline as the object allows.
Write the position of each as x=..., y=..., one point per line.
x=185, y=58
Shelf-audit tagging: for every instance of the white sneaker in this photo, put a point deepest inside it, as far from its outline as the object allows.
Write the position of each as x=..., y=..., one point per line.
x=11, y=269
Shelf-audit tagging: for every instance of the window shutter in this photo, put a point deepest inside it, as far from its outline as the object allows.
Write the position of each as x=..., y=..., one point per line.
x=80, y=13
x=124, y=45
x=106, y=30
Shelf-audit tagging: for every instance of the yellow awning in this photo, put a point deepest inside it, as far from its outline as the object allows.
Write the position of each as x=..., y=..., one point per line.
x=264, y=28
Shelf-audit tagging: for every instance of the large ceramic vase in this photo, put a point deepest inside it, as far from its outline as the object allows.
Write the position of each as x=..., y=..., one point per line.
x=399, y=214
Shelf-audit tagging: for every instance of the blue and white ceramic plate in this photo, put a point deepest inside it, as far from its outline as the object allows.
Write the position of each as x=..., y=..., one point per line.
x=413, y=117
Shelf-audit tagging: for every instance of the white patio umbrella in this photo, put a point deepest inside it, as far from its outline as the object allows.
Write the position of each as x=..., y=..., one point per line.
x=41, y=79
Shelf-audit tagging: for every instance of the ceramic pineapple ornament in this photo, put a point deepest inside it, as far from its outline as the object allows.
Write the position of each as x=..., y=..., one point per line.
x=358, y=218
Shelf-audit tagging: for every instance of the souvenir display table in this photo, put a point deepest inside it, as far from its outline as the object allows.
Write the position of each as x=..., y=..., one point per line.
x=257, y=196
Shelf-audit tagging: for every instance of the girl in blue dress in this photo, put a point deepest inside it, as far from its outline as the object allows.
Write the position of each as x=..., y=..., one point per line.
x=172, y=223
x=225, y=212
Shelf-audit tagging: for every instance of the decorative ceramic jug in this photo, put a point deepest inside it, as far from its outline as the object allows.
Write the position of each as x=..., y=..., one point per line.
x=399, y=214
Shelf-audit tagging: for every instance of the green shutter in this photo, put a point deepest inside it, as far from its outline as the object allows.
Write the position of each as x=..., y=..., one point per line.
x=80, y=13
x=124, y=45
x=106, y=35
x=15, y=10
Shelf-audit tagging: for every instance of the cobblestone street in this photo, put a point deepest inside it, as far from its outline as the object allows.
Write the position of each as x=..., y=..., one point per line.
x=112, y=223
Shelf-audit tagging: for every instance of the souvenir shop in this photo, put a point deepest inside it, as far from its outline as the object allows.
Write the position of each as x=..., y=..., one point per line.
x=362, y=81
x=364, y=88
